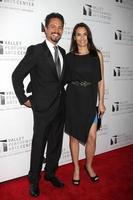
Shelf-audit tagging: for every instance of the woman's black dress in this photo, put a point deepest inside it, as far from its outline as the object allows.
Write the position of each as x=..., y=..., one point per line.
x=80, y=99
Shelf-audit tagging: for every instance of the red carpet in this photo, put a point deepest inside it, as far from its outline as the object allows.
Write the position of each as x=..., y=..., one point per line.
x=115, y=169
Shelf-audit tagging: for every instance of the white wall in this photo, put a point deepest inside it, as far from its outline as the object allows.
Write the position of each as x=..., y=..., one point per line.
x=111, y=25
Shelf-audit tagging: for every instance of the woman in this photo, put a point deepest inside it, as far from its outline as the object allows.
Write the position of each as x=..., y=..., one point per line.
x=85, y=78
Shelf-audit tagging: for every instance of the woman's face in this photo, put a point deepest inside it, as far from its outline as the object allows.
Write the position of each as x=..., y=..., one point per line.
x=81, y=37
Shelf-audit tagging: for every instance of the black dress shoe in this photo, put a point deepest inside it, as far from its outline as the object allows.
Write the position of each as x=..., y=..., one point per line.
x=34, y=190
x=55, y=181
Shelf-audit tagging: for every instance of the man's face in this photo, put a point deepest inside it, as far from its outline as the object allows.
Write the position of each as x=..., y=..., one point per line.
x=54, y=30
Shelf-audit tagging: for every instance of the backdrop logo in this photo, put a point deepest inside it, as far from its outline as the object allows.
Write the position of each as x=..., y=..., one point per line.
x=123, y=138
x=8, y=100
x=14, y=146
x=87, y=10
x=20, y=5
x=115, y=106
x=114, y=140
x=118, y=35
x=12, y=48
x=122, y=107
x=96, y=13
x=123, y=73
x=1, y=47
x=2, y=98
x=3, y=146
x=120, y=1
x=116, y=71
x=123, y=37
x=127, y=4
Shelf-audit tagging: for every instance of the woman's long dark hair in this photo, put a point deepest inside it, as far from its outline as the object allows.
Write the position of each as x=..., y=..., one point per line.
x=91, y=47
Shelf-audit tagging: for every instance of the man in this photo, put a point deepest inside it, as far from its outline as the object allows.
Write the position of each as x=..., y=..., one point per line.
x=47, y=100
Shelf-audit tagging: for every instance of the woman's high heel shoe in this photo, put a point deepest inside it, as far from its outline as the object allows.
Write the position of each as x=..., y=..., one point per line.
x=93, y=178
x=76, y=182
x=76, y=179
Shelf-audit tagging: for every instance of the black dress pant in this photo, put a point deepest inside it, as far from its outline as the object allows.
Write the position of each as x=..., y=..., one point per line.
x=50, y=132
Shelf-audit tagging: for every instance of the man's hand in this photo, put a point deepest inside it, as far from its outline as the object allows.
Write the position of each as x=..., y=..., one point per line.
x=28, y=104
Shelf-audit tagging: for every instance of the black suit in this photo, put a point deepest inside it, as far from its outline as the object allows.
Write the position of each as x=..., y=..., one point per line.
x=47, y=105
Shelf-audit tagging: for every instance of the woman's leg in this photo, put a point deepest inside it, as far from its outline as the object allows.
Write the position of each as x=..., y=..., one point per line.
x=74, y=147
x=90, y=149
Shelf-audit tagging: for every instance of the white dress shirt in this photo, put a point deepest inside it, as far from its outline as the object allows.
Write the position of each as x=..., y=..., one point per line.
x=51, y=48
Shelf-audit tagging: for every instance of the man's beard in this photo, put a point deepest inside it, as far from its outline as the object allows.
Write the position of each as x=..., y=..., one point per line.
x=56, y=38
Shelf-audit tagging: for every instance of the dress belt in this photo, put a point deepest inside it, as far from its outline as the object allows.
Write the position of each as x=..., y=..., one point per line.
x=81, y=83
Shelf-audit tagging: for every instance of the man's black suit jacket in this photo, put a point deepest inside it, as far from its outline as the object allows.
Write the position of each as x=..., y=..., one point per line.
x=45, y=85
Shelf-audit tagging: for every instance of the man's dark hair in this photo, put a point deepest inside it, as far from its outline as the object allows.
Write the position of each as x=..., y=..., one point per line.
x=53, y=15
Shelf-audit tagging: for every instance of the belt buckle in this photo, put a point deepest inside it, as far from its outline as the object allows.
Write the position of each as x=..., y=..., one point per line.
x=84, y=83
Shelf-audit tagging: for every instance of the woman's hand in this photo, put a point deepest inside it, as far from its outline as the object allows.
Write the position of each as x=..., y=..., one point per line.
x=101, y=109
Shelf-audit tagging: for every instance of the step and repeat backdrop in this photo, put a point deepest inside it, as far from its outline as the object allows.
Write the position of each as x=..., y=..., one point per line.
x=22, y=23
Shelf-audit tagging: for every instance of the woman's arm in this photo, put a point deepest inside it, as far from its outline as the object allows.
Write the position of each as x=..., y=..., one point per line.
x=101, y=87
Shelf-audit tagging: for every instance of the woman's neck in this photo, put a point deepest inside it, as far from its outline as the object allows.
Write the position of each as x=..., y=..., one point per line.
x=83, y=51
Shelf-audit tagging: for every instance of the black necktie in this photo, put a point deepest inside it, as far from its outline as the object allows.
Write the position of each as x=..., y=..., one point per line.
x=57, y=62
